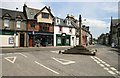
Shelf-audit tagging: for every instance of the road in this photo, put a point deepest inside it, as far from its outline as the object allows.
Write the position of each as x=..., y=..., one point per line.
x=48, y=62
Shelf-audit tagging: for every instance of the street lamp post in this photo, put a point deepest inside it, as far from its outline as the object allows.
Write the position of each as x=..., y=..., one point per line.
x=15, y=28
x=80, y=20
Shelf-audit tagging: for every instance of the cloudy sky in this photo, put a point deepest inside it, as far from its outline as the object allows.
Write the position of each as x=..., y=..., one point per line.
x=97, y=14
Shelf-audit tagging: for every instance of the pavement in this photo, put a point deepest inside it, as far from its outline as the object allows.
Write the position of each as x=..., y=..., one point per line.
x=48, y=62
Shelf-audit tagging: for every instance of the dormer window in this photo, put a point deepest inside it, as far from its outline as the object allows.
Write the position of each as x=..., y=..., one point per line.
x=6, y=22
x=45, y=15
x=68, y=22
x=57, y=21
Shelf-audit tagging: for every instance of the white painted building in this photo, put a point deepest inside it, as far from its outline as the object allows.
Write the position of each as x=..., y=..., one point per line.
x=64, y=32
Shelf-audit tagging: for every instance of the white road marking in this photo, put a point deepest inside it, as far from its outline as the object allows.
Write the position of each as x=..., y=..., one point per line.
x=117, y=72
x=54, y=51
x=106, y=68
x=107, y=65
x=111, y=72
x=22, y=55
x=46, y=67
x=113, y=68
x=9, y=59
x=102, y=65
x=103, y=62
x=98, y=62
x=65, y=61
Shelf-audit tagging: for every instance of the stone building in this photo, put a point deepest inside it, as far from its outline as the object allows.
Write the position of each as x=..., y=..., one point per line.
x=13, y=28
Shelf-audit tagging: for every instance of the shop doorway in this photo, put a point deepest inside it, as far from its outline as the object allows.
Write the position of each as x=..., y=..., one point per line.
x=21, y=40
x=30, y=41
x=72, y=41
x=63, y=41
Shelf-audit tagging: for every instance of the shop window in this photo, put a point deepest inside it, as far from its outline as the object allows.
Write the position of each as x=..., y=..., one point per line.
x=48, y=28
x=40, y=27
x=18, y=24
x=59, y=40
x=43, y=28
x=70, y=30
x=60, y=29
x=68, y=40
x=45, y=15
x=6, y=23
x=32, y=24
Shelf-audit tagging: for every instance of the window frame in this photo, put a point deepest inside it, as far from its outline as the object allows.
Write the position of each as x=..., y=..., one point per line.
x=32, y=24
x=8, y=23
x=68, y=22
x=61, y=29
x=70, y=28
x=43, y=16
x=57, y=20
x=17, y=24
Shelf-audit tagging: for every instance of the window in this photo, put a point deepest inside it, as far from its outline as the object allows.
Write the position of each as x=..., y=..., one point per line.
x=70, y=30
x=45, y=15
x=58, y=21
x=32, y=24
x=48, y=27
x=6, y=23
x=68, y=40
x=69, y=22
x=40, y=27
x=59, y=40
x=18, y=24
x=77, y=30
x=60, y=29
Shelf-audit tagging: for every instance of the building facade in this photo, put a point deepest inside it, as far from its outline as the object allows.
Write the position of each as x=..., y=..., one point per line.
x=64, y=32
x=115, y=32
x=86, y=36
x=13, y=28
x=40, y=26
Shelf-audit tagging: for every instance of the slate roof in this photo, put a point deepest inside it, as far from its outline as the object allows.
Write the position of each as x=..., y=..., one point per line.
x=63, y=22
x=12, y=13
x=30, y=13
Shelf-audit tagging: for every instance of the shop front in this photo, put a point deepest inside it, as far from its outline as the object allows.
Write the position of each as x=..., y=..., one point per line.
x=40, y=39
x=63, y=39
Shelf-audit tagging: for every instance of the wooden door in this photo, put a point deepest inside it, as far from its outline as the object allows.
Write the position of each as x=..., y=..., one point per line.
x=21, y=40
x=30, y=41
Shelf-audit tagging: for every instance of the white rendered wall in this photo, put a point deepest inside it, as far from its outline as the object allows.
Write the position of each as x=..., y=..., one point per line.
x=65, y=30
x=5, y=41
x=17, y=41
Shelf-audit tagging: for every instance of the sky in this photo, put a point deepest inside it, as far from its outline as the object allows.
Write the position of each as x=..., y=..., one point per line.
x=95, y=14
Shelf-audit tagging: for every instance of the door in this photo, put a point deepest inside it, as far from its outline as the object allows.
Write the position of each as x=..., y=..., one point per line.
x=21, y=40
x=30, y=41
x=73, y=41
x=63, y=41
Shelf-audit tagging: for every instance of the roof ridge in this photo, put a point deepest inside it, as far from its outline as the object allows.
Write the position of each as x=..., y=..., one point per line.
x=11, y=10
x=34, y=9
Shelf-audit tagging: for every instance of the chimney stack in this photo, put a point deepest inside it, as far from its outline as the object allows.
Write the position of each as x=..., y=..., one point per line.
x=49, y=8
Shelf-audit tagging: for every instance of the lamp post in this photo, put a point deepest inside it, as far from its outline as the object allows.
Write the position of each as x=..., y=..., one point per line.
x=15, y=28
x=80, y=20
